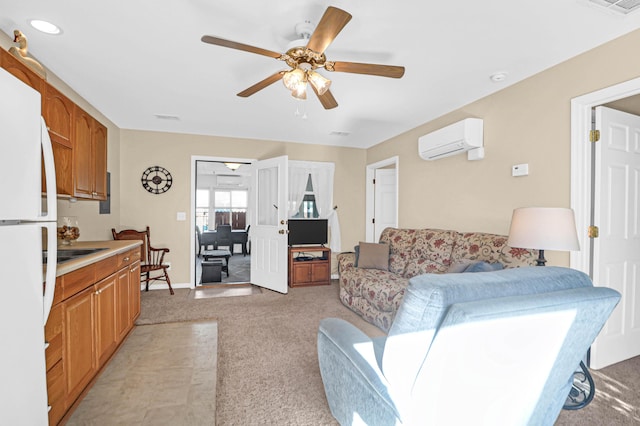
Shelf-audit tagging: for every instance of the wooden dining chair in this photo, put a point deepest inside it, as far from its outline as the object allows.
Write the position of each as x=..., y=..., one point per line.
x=151, y=258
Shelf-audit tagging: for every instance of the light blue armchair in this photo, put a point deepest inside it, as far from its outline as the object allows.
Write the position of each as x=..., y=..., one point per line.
x=485, y=348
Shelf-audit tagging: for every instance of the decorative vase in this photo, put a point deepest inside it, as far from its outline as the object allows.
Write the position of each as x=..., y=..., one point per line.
x=68, y=230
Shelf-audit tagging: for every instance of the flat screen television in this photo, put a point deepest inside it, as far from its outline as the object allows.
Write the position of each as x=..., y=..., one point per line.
x=308, y=231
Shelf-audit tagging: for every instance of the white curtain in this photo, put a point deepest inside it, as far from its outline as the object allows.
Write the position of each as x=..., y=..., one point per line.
x=322, y=183
x=297, y=184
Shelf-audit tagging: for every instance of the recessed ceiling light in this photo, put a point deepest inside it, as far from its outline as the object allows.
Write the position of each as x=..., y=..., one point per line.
x=45, y=27
x=498, y=77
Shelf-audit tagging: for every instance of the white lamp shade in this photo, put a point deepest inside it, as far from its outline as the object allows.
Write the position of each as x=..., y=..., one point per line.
x=543, y=228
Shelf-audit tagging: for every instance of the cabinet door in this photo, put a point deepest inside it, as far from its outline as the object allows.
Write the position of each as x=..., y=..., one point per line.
x=301, y=273
x=320, y=272
x=99, y=153
x=134, y=291
x=78, y=356
x=57, y=110
x=105, y=317
x=123, y=321
x=82, y=160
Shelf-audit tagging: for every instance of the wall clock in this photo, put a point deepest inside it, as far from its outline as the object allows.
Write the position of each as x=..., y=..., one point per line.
x=156, y=180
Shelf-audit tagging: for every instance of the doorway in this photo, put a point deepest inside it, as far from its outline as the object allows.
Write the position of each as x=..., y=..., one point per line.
x=584, y=179
x=381, y=197
x=220, y=191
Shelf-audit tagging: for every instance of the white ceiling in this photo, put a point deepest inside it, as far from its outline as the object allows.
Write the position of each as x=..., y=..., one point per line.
x=133, y=60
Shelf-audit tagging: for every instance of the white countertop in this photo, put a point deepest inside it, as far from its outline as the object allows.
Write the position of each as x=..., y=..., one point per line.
x=113, y=248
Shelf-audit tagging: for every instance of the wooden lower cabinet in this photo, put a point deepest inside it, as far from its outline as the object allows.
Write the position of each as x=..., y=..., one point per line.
x=79, y=335
x=314, y=270
x=89, y=320
x=105, y=317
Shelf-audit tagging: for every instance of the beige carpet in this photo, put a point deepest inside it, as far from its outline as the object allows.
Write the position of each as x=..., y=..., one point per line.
x=268, y=368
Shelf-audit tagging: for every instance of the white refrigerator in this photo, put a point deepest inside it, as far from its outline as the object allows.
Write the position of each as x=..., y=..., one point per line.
x=24, y=217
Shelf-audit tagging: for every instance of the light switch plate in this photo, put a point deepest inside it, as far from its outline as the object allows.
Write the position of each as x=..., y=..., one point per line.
x=181, y=216
x=520, y=170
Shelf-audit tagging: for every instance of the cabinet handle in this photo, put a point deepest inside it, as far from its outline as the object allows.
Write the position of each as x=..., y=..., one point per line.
x=126, y=259
x=132, y=270
x=46, y=344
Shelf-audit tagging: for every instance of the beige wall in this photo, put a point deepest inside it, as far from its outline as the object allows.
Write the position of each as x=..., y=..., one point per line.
x=528, y=122
x=525, y=123
x=139, y=208
x=93, y=226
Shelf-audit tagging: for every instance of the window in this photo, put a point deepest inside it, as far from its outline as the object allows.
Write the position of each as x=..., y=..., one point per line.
x=202, y=209
x=308, y=206
x=230, y=207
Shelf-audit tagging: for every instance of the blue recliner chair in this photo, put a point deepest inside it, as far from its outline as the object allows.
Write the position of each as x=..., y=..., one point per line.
x=485, y=348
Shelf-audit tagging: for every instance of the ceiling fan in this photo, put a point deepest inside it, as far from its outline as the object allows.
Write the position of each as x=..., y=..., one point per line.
x=304, y=60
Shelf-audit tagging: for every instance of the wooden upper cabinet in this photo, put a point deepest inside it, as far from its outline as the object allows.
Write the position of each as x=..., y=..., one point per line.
x=20, y=70
x=89, y=156
x=57, y=111
x=99, y=145
x=82, y=161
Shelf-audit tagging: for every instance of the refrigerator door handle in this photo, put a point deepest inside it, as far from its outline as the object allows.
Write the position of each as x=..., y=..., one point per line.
x=50, y=279
x=49, y=173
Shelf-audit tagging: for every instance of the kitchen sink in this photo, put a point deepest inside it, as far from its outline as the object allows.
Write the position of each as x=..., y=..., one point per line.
x=65, y=255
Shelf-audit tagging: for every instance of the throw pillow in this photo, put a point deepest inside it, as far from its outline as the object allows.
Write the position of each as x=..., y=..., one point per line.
x=459, y=266
x=484, y=267
x=373, y=256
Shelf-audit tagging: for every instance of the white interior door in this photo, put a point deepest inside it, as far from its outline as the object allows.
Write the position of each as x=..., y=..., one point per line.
x=385, y=200
x=616, y=260
x=269, y=224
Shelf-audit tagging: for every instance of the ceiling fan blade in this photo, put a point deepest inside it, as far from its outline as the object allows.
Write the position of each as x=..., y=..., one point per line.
x=331, y=23
x=370, y=69
x=239, y=46
x=327, y=100
x=261, y=84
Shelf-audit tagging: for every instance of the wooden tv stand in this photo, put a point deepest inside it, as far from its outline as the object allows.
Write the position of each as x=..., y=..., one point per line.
x=316, y=271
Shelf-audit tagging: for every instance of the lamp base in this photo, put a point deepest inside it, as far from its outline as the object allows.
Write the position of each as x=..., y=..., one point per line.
x=540, y=261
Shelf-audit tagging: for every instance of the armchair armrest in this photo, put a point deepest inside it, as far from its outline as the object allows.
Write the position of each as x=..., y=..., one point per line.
x=157, y=255
x=353, y=381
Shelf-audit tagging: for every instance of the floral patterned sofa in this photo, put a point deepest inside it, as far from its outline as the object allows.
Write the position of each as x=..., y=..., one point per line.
x=376, y=294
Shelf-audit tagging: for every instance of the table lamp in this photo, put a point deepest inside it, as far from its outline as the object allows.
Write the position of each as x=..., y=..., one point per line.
x=543, y=228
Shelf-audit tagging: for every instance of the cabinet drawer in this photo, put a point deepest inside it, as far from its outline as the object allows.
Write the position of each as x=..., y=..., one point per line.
x=106, y=267
x=55, y=392
x=53, y=335
x=76, y=281
x=128, y=258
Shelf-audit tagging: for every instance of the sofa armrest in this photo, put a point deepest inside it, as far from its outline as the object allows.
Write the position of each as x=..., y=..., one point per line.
x=346, y=260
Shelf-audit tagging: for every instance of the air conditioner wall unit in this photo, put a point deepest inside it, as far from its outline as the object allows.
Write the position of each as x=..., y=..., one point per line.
x=454, y=139
x=228, y=180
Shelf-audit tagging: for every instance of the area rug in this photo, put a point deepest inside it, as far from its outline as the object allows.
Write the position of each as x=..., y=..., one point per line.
x=224, y=290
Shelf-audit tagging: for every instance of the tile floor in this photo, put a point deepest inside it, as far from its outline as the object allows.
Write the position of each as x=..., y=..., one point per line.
x=164, y=374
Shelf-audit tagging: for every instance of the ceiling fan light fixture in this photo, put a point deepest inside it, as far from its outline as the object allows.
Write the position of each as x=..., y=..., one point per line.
x=293, y=78
x=319, y=82
x=300, y=92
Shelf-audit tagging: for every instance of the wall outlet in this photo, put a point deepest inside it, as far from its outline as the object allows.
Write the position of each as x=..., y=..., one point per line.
x=181, y=216
x=520, y=170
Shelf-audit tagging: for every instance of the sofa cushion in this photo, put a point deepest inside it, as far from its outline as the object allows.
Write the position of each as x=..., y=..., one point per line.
x=490, y=248
x=373, y=256
x=431, y=252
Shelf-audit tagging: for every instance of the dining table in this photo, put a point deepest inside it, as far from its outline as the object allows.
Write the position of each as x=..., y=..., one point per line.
x=238, y=236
